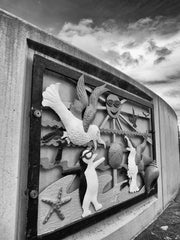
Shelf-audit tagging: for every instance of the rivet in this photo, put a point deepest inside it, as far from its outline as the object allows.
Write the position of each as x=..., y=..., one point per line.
x=37, y=113
x=34, y=194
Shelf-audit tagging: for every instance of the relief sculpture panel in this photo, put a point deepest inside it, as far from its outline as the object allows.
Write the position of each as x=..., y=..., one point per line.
x=96, y=151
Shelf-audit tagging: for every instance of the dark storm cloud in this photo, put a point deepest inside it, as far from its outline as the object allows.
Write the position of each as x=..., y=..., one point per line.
x=160, y=52
x=175, y=77
x=171, y=79
x=146, y=29
x=117, y=59
x=132, y=10
x=127, y=59
x=157, y=82
x=151, y=45
x=159, y=24
x=164, y=51
x=113, y=57
x=139, y=37
x=159, y=60
x=45, y=13
x=130, y=44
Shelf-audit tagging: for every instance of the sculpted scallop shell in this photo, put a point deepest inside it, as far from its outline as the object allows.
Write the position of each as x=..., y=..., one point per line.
x=151, y=175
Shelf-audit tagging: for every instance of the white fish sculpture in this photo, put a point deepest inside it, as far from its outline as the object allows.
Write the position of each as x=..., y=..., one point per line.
x=78, y=131
x=132, y=167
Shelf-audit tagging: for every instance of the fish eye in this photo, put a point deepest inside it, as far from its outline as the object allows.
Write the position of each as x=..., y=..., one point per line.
x=88, y=155
x=116, y=103
x=110, y=102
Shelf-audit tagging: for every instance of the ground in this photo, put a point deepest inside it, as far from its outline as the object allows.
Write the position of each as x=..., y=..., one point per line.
x=167, y=226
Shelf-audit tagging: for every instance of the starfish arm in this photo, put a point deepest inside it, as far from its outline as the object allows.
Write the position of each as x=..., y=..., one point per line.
x=60, y=193
x=60, y=215
x=48, y=215
x=48, y=201
x=56, y=206
x=65, y=200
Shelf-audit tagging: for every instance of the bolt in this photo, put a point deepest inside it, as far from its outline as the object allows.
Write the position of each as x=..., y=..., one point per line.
x=34, y=194
x=37, y=113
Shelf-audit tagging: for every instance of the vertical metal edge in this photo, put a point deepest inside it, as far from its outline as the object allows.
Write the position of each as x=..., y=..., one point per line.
x=154, y=140
x=153, y=133
x=34, y=148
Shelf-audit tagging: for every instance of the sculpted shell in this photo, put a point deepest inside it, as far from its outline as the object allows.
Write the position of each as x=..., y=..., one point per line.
x=116, y=155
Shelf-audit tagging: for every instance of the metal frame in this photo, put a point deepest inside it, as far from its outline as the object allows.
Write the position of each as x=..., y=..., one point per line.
x=40, y=66
x=89, y=68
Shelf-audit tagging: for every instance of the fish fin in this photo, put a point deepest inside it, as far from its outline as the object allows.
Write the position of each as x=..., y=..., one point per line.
x=82, y=102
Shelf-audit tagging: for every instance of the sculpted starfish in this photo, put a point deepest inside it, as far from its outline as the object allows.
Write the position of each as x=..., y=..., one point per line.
x=56, y=206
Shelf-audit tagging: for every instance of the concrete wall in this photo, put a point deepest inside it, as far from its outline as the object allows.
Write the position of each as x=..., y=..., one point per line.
x=169, y=151
x=15, y=84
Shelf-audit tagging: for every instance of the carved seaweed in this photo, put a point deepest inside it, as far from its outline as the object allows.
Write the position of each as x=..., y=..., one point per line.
x=51, y=123
x=56, y=135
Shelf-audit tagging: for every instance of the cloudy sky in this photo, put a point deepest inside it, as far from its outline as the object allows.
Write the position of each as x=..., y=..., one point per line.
x=139, y=37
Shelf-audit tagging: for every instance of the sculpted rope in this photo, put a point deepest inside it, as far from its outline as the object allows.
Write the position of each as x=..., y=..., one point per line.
x=124, y=132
